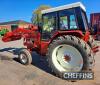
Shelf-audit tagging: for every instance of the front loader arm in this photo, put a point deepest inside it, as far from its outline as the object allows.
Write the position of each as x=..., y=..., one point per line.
x=16, y=34
x=31, y=37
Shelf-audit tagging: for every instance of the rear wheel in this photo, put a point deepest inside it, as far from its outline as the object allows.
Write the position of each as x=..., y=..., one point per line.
x=92, y=43
x=69, y=54
x=25, y=57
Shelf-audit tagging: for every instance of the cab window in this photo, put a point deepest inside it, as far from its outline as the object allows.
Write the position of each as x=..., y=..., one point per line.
x=67, y=19
x=73, y=22
x=49, y=24
x=64, y=22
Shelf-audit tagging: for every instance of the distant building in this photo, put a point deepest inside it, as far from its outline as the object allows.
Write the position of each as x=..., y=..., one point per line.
x=95, y=20
x=11, y=25
x=95, y=23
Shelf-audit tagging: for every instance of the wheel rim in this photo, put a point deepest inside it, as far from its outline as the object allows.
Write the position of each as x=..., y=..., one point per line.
x=67, y=58
x=23, y=58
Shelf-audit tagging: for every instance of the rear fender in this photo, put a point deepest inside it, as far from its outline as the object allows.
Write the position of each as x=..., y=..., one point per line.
x=76, y=33
x=45, y=44
x=86, y=36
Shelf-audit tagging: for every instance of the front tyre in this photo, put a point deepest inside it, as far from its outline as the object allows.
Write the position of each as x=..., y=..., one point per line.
x=25, y=57
x=69, y=54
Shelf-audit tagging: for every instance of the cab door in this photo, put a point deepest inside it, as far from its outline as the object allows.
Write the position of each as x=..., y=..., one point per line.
x=49, y=25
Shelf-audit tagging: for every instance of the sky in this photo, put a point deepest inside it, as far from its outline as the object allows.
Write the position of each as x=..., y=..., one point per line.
x=22, y=9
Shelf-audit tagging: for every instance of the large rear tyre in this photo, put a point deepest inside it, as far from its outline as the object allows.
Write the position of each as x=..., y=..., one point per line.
x=25, y=57
x=69, y=54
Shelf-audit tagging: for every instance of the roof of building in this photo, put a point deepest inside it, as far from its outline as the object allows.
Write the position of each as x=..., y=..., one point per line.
x=15, y=22
x=77, y=4
x=95, y=13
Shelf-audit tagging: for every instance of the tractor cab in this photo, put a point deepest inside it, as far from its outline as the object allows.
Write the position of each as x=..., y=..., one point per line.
x=64, y=18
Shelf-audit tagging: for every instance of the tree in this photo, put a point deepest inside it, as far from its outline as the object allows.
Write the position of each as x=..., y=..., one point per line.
x=36, y=16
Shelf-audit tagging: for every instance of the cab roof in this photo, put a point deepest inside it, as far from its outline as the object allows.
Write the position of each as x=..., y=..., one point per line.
x=77, y=4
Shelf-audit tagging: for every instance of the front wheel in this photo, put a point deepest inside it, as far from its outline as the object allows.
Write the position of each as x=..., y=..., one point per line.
x=25, y=57
x=69, y=54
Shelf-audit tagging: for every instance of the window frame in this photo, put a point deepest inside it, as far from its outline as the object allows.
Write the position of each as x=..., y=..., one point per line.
x=68, y=15
x=55, y=22
x=84, y=17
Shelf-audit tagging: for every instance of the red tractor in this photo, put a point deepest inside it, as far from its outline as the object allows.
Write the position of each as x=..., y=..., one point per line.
x=63, y=37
